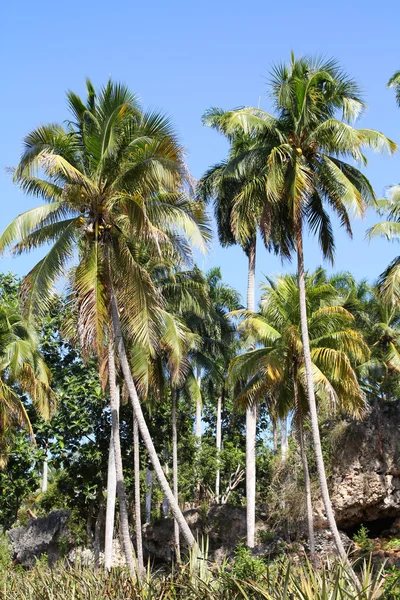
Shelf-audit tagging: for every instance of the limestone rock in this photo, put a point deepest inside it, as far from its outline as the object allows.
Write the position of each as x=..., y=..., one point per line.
x=40, y=536
x=366, y=480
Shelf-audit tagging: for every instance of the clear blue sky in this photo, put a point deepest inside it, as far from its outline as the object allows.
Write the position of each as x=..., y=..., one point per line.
x=184, y=57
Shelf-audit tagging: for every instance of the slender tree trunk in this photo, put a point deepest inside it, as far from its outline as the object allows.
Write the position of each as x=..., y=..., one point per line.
x=284, y=439
x=251, y=419
x=144, y=432
x=149, y=492
x=198, y=407
x=123, y=508
x=45, y=471
x=219, y=445
x=311, y=396
x=138, y=516
x=165, y=504
x=175, y=399
x=110, y=509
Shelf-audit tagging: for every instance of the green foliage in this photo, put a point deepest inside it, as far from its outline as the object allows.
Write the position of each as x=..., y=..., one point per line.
x=363, y=540
x=5, y=552
x=393, y=544
x=247, y=566
x=194, y=580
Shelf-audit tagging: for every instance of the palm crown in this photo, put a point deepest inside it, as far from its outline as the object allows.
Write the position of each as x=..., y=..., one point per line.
x=112, y=176
x=273, y=368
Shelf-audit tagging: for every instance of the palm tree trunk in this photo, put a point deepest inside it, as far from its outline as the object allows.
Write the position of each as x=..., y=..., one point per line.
x=123, y=508
x=175, y=397
x=251, y=418
x=284, y=439
x=144, y=431
x=165, y=505
x=110, y=509
x=45, y=471
x=306, y=473
x=149, y=491
x=138, y=516
x=219, y=444
x=311, y=396
x=198, y=407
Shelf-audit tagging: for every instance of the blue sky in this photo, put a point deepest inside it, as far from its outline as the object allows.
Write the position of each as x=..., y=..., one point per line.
x=184, y=57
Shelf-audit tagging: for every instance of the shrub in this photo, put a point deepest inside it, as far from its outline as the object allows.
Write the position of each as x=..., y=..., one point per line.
x=363, y=540
x=247, y=566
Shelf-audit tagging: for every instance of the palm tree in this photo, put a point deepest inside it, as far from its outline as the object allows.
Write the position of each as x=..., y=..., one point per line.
x=241, y=210
x=114, y=174
x=306, y=173
x=218, y=335
x=22, y=371
x=275, y=369
x=389, y=281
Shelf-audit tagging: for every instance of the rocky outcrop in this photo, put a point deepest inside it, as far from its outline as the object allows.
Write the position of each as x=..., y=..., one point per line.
x=40, y=536
x=365, y=485
x=223, y=526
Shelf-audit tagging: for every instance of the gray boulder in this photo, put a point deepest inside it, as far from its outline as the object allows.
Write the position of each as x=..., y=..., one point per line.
x=40, y=536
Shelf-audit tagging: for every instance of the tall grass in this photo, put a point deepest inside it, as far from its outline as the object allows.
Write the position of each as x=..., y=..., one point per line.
x=195, y=580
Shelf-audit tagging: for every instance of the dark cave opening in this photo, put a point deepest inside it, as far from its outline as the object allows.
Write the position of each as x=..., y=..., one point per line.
x=376, y=528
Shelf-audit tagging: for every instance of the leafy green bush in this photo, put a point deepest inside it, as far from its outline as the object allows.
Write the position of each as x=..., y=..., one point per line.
x=247, y=566
x=363, y=540
x=393, y=544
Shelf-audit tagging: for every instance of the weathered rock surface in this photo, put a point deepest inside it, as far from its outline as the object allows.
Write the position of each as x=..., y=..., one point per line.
x=40, y=536
x=366, y=480
x=85, y=557
x=223, y=525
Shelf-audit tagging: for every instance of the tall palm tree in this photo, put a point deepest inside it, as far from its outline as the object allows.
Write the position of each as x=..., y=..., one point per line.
x=306, y=173
x=241, y=210
x=21, y=365
x=114, y=174
x=275, y=369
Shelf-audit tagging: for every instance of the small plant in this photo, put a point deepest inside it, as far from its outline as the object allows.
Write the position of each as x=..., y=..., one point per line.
x=247, y=566
x=363, y=540
x=393, y=544
x=265, y=536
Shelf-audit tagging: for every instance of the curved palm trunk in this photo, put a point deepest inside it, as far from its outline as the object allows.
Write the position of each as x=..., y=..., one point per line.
x=138, y=517
x=110, y=508
x=311, y=396
x=251, y=419
x=306, y=473
x=175, y=397
x=144, y=432
x=123, y=509
x=219, y=445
